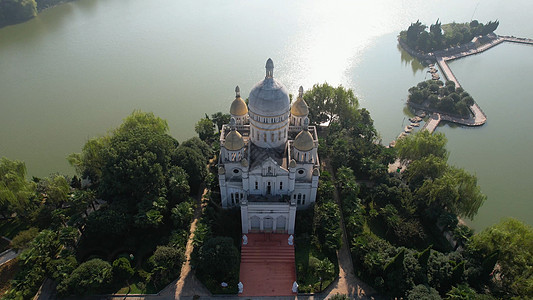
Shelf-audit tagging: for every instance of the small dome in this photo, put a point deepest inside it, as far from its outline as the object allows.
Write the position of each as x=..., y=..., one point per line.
x=234, y=141
x=292, y=164
x=304, y=141
x=316, y=172
x=299, y=108
x=238, y=107
x=221, y=171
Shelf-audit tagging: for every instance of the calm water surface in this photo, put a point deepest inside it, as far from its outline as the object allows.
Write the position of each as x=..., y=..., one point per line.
x=76, y=70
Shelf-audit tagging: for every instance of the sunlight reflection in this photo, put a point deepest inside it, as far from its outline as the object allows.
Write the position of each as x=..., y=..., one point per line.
x=332, y=40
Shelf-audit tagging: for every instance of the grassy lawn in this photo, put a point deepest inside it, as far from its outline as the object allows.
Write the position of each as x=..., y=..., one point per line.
x=137, y=286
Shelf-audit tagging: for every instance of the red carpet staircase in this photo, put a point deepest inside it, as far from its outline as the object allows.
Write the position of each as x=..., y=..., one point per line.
x=267, y=265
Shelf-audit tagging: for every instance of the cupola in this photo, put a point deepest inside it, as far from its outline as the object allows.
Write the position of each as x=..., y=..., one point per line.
x=299, y=108
x=238, y=106
x=234, y=140
x=304, y=140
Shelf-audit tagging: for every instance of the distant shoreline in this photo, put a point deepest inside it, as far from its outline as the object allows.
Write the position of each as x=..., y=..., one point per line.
x=39, y=10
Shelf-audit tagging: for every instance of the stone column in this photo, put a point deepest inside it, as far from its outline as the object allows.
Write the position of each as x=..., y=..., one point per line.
x=223, y=190
x=292, y=216
x=244, y=216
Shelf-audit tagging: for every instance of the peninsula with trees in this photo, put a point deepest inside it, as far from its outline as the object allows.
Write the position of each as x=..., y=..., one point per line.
x=443, y=43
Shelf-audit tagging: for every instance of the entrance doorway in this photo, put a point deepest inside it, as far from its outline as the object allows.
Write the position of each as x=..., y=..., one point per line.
x=267, y=224
x=269, y=188
x=255, y=223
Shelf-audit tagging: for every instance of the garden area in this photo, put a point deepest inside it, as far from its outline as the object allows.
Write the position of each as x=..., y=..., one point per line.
x=123, y=230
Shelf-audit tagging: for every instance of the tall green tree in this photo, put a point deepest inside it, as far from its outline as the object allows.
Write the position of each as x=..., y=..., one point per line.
x=205, y=129
x=328, y=104
x=512, y=240
x=15, y=192
x=91, y=277
x=422, y=144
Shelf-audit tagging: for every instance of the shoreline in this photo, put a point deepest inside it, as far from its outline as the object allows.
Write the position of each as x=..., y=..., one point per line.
x=38, y=12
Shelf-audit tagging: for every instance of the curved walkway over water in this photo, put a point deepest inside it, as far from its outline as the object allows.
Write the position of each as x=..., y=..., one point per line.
x=442, y=57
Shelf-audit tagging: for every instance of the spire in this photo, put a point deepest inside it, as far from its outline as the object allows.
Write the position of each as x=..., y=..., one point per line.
x=269, y=68
x=301, y=92
x=237, y=92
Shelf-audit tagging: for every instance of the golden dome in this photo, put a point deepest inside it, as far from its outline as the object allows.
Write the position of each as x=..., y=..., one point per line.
x=238, y=107
x=299, y=108
x=304, y=141
x=234, y=141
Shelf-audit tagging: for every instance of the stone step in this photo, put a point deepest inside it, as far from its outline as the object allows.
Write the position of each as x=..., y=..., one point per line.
x=268, y=253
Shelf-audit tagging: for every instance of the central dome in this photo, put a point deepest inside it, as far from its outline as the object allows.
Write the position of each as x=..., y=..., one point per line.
x=269, y=97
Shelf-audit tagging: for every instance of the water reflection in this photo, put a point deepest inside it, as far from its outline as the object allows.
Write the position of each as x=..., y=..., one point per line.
x=407, y=59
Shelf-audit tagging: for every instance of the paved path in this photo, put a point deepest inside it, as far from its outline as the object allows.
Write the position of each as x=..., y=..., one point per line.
x=188, y=285
x=432, y=123
x=7, y=256
x=346, y=283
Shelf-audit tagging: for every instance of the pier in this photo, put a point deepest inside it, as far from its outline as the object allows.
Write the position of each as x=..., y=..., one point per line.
x=432, y=123
x=442, y=57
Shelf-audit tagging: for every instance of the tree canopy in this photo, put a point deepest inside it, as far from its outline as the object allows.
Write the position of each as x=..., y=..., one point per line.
x=422, y=144
x=219, y=259
x=512, y=242
x=443, y=36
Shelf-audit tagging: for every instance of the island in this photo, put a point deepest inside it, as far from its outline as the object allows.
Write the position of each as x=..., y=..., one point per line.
x=443, y=43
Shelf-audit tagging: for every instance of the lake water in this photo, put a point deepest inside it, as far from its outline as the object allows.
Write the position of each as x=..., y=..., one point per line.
x=77, y=70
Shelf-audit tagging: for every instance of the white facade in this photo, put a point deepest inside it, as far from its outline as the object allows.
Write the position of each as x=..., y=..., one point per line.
x=267, y=166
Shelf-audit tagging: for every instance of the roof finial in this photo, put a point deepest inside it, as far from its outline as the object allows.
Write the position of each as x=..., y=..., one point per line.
x=237, y=92
x=301, y=92
x=269, y=68
x=306, y=124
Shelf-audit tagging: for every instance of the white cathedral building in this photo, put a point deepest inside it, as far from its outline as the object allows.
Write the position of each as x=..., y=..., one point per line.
x=268, y=164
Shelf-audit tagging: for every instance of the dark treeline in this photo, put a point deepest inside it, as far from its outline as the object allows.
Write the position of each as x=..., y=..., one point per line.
x=17, y=11
x=440, y=37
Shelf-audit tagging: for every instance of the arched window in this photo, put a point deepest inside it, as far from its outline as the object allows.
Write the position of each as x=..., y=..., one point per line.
x=281, y=185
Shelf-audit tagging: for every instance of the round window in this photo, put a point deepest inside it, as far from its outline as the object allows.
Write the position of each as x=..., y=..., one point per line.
x=236, y=171
x=301, y=171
